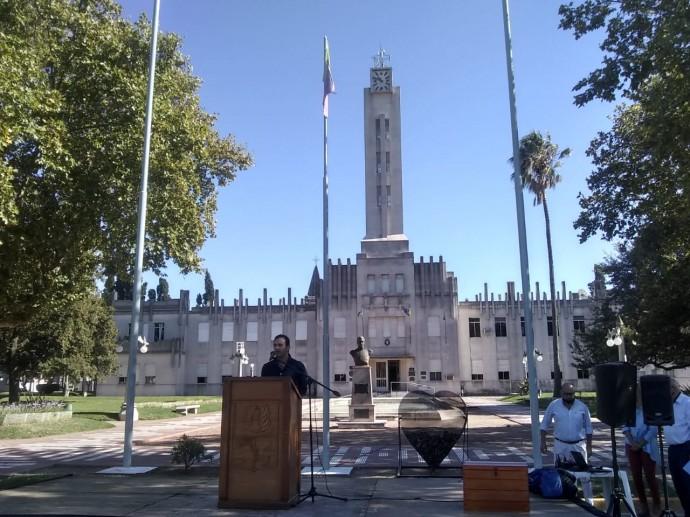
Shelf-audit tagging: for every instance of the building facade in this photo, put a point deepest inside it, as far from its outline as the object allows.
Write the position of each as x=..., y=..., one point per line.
x=419, y=335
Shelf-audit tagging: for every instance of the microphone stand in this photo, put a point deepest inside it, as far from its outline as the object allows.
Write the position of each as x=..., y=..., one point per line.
x=310, y=380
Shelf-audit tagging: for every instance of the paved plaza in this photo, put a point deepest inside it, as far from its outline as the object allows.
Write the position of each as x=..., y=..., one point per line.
x=386, y=475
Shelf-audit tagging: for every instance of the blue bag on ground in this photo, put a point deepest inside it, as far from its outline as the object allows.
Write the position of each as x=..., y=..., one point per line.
x=534, y=481
x=550, y=484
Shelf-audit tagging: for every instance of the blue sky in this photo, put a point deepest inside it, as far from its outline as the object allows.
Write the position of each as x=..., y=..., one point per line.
x=261, y=62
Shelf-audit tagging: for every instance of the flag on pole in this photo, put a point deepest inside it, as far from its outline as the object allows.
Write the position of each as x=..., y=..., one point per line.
x=328, y=84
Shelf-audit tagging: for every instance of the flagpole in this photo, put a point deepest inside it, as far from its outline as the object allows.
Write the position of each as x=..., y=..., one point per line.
x=139, y=257
x=328, y=87
x=522, y=239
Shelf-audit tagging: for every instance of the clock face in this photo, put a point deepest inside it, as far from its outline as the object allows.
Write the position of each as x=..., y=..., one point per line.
x=381, y=80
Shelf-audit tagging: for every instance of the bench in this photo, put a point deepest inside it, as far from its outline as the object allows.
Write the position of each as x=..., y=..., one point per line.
x=186, y=410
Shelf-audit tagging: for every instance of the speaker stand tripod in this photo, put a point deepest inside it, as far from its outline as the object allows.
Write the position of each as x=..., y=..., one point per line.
x=312, y=490
x=616, y=496
x=666, y=511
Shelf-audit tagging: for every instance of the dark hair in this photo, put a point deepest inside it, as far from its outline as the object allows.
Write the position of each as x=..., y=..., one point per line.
x=287, y=339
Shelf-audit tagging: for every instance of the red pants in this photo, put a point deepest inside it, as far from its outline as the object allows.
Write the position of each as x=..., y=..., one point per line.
x=640, y=461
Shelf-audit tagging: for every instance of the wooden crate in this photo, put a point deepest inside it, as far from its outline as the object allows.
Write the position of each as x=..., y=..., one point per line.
x=495, y=487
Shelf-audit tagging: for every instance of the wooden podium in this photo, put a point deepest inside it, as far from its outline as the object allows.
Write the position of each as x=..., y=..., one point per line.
x=260, y=445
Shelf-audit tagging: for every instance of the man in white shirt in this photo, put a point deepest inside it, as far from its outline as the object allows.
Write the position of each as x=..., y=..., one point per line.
x=678, y=441
x=572, y=430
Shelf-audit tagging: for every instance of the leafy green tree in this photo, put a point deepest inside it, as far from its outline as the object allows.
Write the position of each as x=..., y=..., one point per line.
x=124, y=289
x=641, y=162
x=539, y=160
x=20, y=360
x=209, y=292
x=588, y=347
x=163, y=290
x=651, y=282
x=74, y=342
x=73, y=78
x=84, y=339
x=640, y=183
x=644, y=39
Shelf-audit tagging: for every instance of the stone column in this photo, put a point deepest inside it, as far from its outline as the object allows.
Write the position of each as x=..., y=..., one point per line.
x=362, y=402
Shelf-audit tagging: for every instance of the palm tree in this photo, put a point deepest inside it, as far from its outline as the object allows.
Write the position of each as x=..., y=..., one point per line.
x=539, y=159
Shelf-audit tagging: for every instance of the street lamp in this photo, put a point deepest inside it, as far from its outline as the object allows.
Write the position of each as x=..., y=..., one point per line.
x=123, y=409
x=141, y=340
x=539, y=357
x=240, y=356
x=614, y=338
x=537, y=354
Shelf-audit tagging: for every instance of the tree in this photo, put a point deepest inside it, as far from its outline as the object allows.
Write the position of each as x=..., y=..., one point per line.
x=539, y=160
x=644, y=39
x=73, y=78
x=124, y=289
x=75, y=343
x=163, y=290
x=84, y=338
x=651, y=281
x=640, y=183
x=209, y=293
x=588, y=348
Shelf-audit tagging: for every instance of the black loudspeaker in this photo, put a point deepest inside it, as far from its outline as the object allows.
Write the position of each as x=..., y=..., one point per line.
x=657, y=405
x=616, y=393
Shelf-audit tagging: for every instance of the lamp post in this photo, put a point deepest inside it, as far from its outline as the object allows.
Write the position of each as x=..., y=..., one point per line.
x=141, y=340
x=241, y=358
x=614, y=338
x=143, y=348
x=538, y=356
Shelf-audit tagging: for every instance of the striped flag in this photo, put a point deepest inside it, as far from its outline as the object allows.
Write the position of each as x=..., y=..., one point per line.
x=328, y=84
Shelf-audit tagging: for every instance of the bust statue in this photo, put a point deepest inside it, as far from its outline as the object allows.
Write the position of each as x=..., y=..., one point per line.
x=360, y=354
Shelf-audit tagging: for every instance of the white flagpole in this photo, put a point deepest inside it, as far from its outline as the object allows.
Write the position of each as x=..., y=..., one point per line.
x=326, y=292
x=522, y=239
x=139, y=260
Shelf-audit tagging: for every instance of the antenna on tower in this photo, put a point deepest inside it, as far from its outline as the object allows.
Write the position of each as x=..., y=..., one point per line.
x=381, y=58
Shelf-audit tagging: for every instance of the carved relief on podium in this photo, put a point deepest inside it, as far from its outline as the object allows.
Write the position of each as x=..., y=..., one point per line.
x=255, y=438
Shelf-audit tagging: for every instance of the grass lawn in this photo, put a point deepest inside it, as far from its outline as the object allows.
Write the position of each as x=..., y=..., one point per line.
x=91, y=413
x=587, y=397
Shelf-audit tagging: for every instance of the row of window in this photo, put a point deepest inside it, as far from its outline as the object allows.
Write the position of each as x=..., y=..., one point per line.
x=387, y=324
x=501, y=329
x=158, y=331
x=433, y=376
x=505, y=375
x=385, y=284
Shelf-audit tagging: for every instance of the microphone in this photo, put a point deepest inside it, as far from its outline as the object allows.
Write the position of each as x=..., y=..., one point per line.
x=272, y=357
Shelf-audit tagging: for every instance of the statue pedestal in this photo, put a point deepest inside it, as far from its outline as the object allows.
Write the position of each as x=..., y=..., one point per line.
x=362, y=402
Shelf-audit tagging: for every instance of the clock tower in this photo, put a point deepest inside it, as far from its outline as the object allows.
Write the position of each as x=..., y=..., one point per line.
x=383, y=163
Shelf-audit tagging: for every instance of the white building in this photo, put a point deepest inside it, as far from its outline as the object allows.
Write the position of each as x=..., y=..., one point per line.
x=408, y=310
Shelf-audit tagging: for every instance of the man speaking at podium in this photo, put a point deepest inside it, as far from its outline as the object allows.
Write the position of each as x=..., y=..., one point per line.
x=282, y=364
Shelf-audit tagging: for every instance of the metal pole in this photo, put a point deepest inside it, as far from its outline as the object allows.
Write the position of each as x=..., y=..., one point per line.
x=522, y=238
x=139, y=260
x=619, y=332
x=326, y=302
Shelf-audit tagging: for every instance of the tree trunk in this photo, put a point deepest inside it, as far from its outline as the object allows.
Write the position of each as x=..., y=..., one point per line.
x=557, y=374
x=13, y=382
x=13, y=374
x=65, y=389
